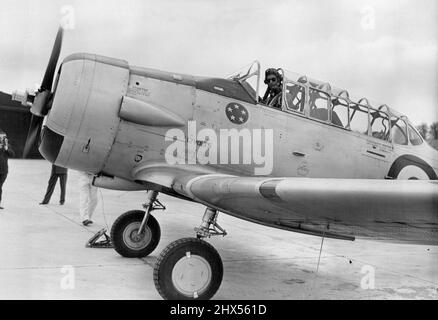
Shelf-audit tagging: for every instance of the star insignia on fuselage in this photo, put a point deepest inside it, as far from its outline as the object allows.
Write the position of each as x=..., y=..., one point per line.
x=236, y=113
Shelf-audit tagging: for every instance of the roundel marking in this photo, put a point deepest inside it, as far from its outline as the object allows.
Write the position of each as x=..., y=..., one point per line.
x=411, y=167
x=236, y=113
x=412, y=172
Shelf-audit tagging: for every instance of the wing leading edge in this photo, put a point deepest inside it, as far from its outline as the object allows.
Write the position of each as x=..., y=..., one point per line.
x=397, y=210
x=389, y=210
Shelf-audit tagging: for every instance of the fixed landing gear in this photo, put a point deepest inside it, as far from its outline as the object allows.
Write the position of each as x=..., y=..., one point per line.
x=136, y=233
x=190, y=268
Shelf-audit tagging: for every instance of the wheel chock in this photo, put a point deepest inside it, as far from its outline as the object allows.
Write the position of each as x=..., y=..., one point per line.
x=94, y=241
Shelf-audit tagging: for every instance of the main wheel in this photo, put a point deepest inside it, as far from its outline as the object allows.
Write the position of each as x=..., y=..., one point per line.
x=411, y=168
x=188, y=268
x=412, y=172
x=126, y=240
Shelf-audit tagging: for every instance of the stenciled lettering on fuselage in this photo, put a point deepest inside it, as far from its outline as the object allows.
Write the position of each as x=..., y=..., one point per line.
x=229, y=146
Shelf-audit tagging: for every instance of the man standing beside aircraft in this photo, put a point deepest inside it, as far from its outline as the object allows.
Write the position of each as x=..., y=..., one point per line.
x=57, y=172
x=5, y=153
x=87, y=197
x=273, y=79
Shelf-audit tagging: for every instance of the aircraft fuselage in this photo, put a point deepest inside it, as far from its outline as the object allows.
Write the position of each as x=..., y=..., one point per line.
x=118, y=109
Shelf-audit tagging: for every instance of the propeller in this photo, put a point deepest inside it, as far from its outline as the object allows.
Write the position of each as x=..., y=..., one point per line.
x=42, y=101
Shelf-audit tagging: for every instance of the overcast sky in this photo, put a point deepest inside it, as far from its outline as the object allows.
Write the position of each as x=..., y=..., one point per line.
x=384, y=50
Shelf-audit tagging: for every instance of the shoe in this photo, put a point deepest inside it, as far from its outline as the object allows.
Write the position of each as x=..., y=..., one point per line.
x=1, y=208
x=43, y=202
x=61, y=203
x=87, y=222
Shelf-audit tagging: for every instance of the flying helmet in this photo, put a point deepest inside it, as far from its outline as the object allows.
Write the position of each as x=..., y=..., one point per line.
x=274, y=72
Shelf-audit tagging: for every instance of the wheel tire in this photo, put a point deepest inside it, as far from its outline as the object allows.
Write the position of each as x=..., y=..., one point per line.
x=411, y=168
x=124, y=238
x=205, y=268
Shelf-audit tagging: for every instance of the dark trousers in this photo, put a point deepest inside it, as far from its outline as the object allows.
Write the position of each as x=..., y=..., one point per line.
x=52, y=184
x=2, y=180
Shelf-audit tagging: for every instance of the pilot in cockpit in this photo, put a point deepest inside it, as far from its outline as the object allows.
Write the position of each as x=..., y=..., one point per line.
x=272, y=95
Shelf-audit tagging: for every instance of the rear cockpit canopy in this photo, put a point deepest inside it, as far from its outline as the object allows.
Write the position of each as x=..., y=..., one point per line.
x=323, y=102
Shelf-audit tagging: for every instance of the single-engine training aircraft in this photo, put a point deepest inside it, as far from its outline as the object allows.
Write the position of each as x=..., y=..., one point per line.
x=341, y=167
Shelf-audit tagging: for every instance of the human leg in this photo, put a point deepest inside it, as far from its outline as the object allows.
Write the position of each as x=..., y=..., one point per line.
x=93, y=199
x=84, y=199
x=2, y=180
x=50, y=187
x=63, y=183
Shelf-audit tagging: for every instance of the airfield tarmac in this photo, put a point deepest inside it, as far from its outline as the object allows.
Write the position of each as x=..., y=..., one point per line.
x=39, y=245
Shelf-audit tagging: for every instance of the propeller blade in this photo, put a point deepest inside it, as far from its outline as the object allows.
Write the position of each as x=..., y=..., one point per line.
x=32, y=135
x=51, y=66
x=40, y=104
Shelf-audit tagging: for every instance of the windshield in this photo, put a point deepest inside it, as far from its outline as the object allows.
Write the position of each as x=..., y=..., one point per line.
x=249, y=77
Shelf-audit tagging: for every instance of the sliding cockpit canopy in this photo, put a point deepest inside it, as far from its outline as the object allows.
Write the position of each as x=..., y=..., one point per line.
x=324, y=102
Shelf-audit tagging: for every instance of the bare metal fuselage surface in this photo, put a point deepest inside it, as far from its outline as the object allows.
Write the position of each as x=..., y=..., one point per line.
x=111, y=119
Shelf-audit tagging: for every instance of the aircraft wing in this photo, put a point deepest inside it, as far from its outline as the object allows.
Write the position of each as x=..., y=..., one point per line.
x=398, y=210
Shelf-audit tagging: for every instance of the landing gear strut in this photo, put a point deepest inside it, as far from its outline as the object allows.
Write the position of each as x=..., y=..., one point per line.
x=209, y=226
x=191, y=268
x=136, y=233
